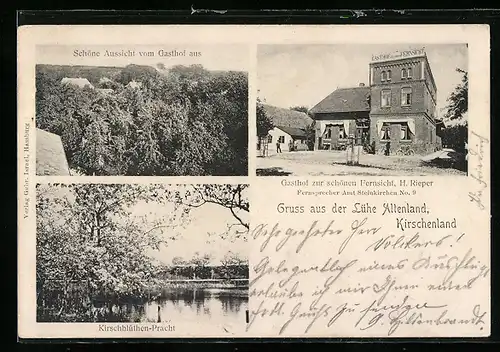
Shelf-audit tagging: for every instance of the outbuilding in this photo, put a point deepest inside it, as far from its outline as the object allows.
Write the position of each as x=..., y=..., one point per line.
x=50, y=156
x=290, y=130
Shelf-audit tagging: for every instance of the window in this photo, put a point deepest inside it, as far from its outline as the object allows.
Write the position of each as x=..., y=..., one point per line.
x=383, y=77
x=281, y=139
x=403, y=73
x=386, y=132
x=406, y=96
x=328, y=132
x=386, y=98
x=342, y=134
x=410, y=73
x=269, y=139
x=389, y=75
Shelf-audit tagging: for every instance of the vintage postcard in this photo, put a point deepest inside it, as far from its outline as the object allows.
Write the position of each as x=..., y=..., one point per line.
x=364, y=152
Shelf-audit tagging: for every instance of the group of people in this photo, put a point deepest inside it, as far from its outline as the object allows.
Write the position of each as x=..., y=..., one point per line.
x=291, y=147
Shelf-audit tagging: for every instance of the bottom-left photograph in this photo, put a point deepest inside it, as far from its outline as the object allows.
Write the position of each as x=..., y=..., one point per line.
x=142, y=253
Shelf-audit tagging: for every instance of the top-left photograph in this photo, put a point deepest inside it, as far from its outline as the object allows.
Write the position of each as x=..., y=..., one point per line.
x=142, y=110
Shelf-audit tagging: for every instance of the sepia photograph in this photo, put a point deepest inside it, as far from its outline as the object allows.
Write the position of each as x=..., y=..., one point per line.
x=362, y=109
x=140, y=149
x=175, y=254
x=142, y=111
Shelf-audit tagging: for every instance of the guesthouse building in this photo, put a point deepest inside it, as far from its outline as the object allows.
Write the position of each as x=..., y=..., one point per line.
x=345, y=112
x=396, y=111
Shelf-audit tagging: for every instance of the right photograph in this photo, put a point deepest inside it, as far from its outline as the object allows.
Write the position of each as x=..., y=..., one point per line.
x=380, y=110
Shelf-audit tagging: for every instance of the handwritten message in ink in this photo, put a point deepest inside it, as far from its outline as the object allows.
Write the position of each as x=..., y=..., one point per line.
x=477, y=149
x=350, y=266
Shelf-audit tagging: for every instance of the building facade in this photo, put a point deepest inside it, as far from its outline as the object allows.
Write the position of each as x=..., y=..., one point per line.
x=397, y=112
x=343, y=113
x=289, y=131
x=288, y=138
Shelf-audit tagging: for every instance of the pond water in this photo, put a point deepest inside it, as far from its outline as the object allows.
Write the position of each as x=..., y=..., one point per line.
x=226, y=307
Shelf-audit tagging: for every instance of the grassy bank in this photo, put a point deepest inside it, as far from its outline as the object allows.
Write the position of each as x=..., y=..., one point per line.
x=80, y=306
x=199, y=284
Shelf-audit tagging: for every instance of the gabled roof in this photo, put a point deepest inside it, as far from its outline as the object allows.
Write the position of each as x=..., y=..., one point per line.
x=292, y=131
x=344, y=100
x=50, y=155
x=286, y=117
x=79, y=82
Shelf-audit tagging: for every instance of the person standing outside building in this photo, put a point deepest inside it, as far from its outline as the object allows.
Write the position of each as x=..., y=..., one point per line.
x=387, y=151
x=278, y=147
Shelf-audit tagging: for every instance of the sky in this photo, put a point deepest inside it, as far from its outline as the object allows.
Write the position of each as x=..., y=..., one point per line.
x=200, y=233
x=232, y=57
x=296, y=75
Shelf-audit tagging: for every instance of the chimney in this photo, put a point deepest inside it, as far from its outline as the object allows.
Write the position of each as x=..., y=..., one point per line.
x=361, y=84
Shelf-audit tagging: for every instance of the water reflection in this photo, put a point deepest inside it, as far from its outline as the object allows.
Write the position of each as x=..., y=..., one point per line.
x=204, y=306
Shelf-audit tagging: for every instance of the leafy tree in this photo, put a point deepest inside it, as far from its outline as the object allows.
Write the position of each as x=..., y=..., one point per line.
x=106, y=83
x=231, y=197
x=456, y=136
x=88, y=238
x=231, y=264
x=264, y=122
x=232, y=258
x=301, y=108
x=230, y=104
x=62, y=110
x=178, y=261
x=144, y=74
x=200, y=260
x=189, y=73
x=458, y=99
x=104, y=139
x=311, y=135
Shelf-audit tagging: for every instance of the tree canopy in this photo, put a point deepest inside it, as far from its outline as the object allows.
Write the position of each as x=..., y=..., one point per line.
x=301, y=108
x=264, y=122
x=458, y=101
x=456, y=136
x=182, y=121
x=311, y=134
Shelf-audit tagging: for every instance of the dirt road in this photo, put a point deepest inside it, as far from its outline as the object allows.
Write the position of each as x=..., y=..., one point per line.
x=326, y=163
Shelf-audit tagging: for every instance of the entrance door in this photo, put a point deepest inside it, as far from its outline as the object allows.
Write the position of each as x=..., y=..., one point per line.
x=395, y=137
x=335, y=137
x=359, y=136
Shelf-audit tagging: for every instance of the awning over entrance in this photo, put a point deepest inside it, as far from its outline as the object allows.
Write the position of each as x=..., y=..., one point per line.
x=409, y=121
x=345, y=123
